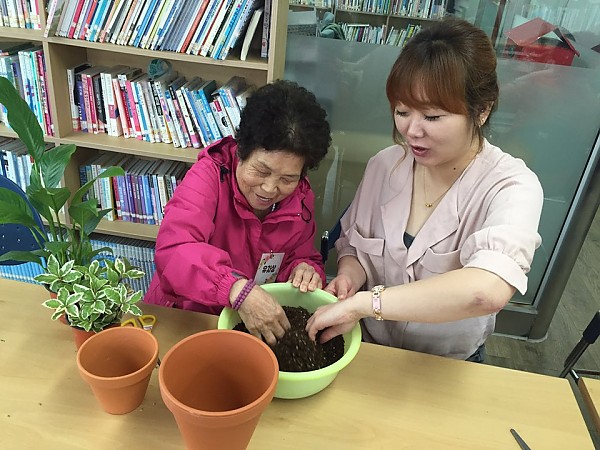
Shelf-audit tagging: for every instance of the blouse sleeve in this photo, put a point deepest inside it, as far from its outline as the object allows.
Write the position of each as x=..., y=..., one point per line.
x=506, y=242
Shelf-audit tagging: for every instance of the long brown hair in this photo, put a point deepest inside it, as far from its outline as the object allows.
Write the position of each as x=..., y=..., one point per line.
x=450, y=65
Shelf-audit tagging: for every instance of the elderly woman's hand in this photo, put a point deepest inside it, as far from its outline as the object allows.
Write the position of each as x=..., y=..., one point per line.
x=263, y=316
x=306, y=278
x=341, y=287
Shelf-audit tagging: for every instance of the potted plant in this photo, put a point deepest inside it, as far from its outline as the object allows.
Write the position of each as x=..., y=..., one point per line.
x=65, y=254
x=46, y=195
x=91, y=297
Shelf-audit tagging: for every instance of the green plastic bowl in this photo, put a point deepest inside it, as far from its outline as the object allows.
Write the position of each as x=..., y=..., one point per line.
x=302, y=384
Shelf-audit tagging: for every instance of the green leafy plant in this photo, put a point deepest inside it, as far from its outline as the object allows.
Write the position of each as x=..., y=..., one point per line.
x=93, y=296
x=68, y=237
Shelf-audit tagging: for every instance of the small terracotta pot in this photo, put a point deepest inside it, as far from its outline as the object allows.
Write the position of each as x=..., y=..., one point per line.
x=117, y=364
x=80, y=335
x=217, y=384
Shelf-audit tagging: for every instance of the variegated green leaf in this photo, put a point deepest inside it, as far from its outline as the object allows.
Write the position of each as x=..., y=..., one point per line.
x=134, y=274
x=135, y=297
x=99, y=306
x=52, y=303
x=72, y=276
x=66, y=268
x=120, y=266
x=46, y=278
x=133, y=309
x=53, y=266
x=72, y=310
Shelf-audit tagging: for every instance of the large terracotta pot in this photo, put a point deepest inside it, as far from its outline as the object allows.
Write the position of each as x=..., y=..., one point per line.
x=217, y=384
x=117, y=364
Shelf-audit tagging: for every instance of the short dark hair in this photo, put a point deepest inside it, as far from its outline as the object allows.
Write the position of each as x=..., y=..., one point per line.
x=284, y=116
x=451, y=64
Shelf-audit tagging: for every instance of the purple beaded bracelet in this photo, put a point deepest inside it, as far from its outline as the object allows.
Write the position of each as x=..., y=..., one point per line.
x=243, y=294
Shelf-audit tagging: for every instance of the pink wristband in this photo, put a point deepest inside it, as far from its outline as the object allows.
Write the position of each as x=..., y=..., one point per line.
x=243, y=294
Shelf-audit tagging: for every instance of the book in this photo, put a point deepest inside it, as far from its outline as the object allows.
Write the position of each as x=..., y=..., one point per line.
x=110, y=19
x=230, y=23
x=218, y=110
x=159, y=12
x=264, y=48
x=224, y=7
x=228, y=92
x=192, y=25
x=203, y=94
x=178, y=120
x=127, y=112
x=73, y=98
x=110, y=97
x=114, y=32
x=166, y=29
x=187, y=114
x=203, y=27
x=177, y=26
x=250, y=31
x=160, y=86
x=55, y=10
x=146, y=16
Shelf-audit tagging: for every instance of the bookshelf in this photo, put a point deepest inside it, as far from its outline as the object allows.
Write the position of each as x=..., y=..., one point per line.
x=62, y=53
x=381, y=17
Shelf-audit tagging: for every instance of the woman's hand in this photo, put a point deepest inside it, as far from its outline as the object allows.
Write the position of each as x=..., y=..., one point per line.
x=263, y=316
x=306, y=278
x=341, y=286
x=334, y=319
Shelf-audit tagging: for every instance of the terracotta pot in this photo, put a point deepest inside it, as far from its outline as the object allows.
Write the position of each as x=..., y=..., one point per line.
x=80, y=335
x=117, y=364
x=217, y=384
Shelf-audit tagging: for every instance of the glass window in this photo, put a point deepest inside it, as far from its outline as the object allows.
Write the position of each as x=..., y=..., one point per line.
x=549, y=109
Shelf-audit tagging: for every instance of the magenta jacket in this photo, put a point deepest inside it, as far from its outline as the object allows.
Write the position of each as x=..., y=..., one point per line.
x=209, y=232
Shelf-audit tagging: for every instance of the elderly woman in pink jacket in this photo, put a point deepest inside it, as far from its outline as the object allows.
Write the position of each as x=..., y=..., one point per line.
x=443, y=227
x=244, y=215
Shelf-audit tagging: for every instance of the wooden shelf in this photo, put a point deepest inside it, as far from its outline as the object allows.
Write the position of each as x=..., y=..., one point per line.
x=21, y=33
x=131, y=146
x=8, y=132
x=252, y=63
x=128, y=229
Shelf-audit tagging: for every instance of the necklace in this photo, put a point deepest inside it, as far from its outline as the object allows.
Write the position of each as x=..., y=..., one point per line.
x=430, y=204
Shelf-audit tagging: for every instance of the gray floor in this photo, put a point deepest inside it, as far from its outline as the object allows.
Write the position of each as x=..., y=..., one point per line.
x=580, y=300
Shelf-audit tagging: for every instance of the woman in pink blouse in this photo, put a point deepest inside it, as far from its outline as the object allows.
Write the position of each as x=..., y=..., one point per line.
x=443, y=227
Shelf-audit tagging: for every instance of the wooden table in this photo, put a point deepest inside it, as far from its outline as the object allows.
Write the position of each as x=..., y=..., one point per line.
x=385, y=399
x=590, y=391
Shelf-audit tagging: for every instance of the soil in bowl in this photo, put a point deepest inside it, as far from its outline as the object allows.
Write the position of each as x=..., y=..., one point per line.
x=295, y=352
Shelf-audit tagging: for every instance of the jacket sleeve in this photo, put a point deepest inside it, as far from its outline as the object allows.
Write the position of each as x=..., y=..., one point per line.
x=187, y=265
x=304, y=250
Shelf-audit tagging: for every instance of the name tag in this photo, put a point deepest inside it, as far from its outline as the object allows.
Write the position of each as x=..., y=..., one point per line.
x=268, y=268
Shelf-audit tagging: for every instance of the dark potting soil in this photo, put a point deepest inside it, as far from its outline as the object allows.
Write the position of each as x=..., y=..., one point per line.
x=295, y=351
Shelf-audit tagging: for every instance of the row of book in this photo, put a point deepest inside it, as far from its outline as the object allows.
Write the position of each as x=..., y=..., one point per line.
x=20, y=14
x=15, y=163
x=368, y=6
x=426, y=9
x=197, y=27
x=24, y=65
x=125, y=101
x=139, y=253
x=315, y=3
x=140, y=195
x=400, y=36
x=357, y=32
